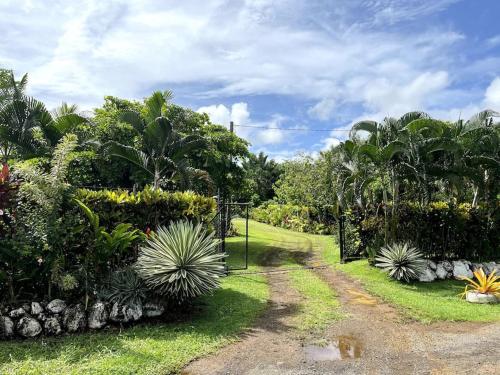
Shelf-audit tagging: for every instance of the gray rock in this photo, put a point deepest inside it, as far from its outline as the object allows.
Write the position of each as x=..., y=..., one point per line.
x=432, y=265
x=56, y=306
x=52, y=327
x=441, y=272
x=42, y=317
x=125, y=313
x=475, y=297
x=17, y=313
x=478, y=266
x=447, y=266
x=152, y=310
x=98, y=316
x=74, y=319
x=28, y=327
x=27, y=308
x=6, y=328
x=427, y=276
x=36, y=308
x=489, y=267
x=461, y=269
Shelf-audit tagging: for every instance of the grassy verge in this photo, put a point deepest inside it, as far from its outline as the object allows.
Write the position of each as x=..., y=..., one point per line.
x=427, y=302
x=320, y=306
x=284, y=248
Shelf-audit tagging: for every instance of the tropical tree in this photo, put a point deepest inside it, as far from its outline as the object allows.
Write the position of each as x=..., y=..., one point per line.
x=27, y=128
x=163, y=153
x=261, y=173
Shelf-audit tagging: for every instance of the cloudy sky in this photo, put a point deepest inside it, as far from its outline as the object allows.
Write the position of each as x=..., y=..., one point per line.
x=282, y=64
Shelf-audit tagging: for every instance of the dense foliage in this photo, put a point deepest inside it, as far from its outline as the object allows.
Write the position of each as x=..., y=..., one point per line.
x=430, y=182
x=61, y=239
x=147, y=208
x=298, y=218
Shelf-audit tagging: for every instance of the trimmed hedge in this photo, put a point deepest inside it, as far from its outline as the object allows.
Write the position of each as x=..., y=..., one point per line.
x=148, y=208
x=298, y=218
x=439, y=230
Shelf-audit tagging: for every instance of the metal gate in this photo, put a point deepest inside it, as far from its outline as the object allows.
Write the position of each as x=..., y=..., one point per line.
x=232, y=241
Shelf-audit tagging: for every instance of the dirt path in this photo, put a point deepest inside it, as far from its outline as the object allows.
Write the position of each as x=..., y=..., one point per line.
x=373, y=339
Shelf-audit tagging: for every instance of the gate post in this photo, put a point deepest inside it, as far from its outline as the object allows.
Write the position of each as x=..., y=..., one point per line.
x=341, y=235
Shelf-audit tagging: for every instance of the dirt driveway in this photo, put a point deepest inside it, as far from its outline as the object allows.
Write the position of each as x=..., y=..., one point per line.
x=373, y=339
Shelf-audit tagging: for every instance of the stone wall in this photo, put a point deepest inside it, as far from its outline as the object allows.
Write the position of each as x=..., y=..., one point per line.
x=56, y=317
x=455, y=270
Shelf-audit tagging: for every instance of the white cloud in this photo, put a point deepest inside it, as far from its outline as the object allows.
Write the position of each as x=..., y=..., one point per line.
x=493, y=41
x=492, y=95
x=323, y=110
x=392, y=99
x=218, y=113
x=330, y=142
x=240, y=115
x=273, y=135
x=126, y=48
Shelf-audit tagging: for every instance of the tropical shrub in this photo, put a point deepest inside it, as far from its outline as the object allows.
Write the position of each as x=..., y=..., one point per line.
x=41, y=203
x=181, y=261
x=148, y=208
x=125, y=287
x=440, y=230
x=105, y=251
x=485, y=284
x=401, y=261
x=298, y=218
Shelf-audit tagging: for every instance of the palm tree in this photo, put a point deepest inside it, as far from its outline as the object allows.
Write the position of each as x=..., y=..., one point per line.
x=263, y=172
x=164, y=152
x=26, y=127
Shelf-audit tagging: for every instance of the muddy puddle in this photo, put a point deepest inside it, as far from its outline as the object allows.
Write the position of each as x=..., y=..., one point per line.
x=344, y=347
x=360, y=298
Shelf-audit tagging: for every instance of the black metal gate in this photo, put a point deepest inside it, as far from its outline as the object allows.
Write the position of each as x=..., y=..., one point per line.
x=232, y=241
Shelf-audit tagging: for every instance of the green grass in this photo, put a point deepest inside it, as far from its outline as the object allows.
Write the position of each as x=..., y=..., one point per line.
x=144, y=349
x=288, y=249
x=320, y=306
x=427, y=302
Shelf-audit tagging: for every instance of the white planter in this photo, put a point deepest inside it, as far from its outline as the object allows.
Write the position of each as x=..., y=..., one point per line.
x=476, y=297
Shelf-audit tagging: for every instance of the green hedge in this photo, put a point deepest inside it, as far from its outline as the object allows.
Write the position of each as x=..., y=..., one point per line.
x=298, y=218
x=439, y=230
x=147, y=208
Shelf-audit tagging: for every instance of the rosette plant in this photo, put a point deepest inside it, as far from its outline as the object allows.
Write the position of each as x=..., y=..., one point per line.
x=181, y=261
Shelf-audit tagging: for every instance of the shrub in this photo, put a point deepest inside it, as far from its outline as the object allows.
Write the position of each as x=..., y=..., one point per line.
x=484, y=284
x=181, y=261
x=125, y=287
x=401, y=261
x=298, y=218
x=440, y=230
x=147, y=208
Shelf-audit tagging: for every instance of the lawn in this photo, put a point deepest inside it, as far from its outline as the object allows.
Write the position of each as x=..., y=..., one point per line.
x=168, y=347
x=287, y=249
x=426, y=302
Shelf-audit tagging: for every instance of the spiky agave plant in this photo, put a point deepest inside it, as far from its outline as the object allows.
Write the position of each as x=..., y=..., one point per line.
x=181, y=261
x=401, y=261
x=125, y=287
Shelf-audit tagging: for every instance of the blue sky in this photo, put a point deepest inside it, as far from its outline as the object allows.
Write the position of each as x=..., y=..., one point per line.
x=281, y=64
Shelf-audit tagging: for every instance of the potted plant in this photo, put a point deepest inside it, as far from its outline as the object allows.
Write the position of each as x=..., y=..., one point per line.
x=485, y=290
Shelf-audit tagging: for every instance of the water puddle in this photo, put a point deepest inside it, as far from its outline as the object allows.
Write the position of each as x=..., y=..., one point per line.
x=361, y=298
x=345, y=347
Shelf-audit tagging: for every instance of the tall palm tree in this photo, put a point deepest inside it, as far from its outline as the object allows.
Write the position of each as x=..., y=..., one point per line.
x=163, y=153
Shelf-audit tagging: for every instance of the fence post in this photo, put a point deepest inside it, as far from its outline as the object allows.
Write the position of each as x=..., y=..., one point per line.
x=341, y=235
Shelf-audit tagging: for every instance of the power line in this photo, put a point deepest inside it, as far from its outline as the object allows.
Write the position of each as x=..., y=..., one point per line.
x=292, y=129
